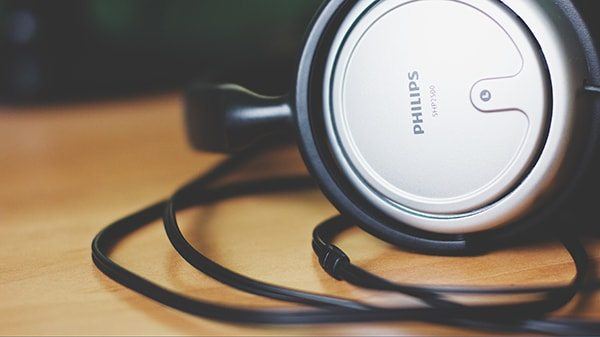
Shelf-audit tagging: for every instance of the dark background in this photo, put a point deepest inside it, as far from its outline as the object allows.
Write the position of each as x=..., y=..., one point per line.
x=78, y=49
x=64, y=50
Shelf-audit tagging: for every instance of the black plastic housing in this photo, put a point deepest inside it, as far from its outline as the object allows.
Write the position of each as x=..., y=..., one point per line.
x=228, y=118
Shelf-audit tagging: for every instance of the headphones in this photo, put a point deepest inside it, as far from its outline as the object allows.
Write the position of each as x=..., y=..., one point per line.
x=441, y=126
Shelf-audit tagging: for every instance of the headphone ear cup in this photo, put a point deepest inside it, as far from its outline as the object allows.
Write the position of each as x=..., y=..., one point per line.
x=227, y=118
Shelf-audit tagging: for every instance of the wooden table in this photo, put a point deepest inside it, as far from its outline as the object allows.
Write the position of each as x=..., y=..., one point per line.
x=68, y=170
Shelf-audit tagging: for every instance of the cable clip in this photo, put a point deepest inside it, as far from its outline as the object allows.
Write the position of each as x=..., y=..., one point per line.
x=331, y=258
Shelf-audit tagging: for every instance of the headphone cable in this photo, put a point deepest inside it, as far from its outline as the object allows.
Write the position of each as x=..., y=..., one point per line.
x=326, y=309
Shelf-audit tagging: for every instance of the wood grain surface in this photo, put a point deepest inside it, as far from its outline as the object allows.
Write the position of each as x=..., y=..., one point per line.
x=69, y=170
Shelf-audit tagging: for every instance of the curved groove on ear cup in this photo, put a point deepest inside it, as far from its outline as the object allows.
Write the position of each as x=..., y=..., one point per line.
x=228, y=117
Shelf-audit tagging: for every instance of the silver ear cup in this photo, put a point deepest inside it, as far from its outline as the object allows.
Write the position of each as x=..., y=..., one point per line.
x=454, y=116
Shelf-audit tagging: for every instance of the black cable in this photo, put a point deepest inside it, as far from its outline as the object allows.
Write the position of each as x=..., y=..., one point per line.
x=325, y=233
x=195, y=193
x=486, y=313
x=480, y=316
x=329, y=309
x=554, y=299
x=112, y=234
x=191, y=194
x=336, y=263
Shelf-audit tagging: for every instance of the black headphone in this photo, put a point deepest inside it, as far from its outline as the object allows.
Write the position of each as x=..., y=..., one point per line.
x=441, y=126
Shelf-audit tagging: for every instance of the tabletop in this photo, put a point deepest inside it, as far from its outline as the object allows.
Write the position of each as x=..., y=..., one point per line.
x=70, y=169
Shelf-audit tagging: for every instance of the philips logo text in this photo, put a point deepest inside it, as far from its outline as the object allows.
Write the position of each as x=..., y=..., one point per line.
x=416, y=108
